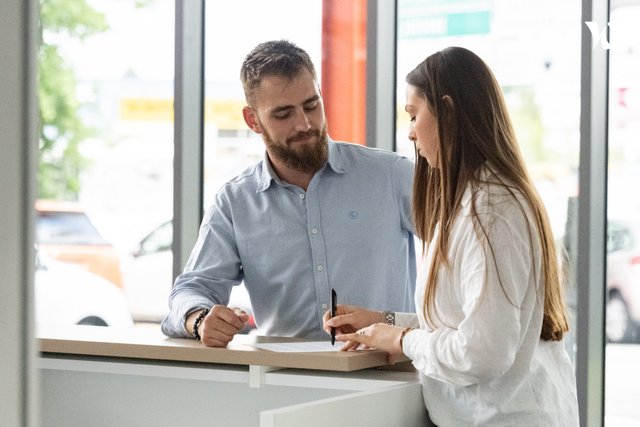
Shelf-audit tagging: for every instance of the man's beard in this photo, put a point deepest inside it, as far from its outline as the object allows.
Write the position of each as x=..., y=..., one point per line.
x=303, y=158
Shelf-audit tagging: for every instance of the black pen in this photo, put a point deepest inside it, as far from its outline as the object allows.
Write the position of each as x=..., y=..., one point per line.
x=334, y=304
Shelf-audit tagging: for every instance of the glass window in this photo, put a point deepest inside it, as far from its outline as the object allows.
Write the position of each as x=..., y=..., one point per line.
x=158, y=240
x=622, y=378
x=66, y=228
x=105, y=164
x=535, y=56
x=230, y=146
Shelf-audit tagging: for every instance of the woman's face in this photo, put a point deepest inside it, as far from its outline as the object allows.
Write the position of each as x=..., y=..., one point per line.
x=423, y=128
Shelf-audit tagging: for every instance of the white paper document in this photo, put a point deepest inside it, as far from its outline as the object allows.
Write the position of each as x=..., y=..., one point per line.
x=298, y=347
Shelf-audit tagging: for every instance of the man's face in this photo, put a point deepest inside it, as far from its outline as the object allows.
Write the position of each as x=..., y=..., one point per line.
x=290, y=116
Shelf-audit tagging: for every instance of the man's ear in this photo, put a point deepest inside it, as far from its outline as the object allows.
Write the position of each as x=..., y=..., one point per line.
x=251, y=119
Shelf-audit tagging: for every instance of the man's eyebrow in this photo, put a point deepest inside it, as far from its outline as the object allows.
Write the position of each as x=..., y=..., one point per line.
x=314, y=98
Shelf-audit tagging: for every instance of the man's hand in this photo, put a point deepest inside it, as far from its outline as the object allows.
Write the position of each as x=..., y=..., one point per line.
x=220, y=325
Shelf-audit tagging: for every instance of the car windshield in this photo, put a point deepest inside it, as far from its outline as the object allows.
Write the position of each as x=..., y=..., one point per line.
x=67, y=228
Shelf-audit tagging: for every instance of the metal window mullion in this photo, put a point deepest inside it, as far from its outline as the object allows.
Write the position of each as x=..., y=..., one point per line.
x=591, y=260
x=19, y=385
x=188, y=128
x=381, y=74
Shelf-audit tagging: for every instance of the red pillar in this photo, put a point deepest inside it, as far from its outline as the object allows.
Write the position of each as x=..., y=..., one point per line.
x=344, y=60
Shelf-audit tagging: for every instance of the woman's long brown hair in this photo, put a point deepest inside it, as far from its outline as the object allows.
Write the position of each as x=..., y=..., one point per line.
x=474, y=130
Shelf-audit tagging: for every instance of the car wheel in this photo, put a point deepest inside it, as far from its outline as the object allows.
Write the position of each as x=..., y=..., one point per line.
x=619, y=327
x=93, y=321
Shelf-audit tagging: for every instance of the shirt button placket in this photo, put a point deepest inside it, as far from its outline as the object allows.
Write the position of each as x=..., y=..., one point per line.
x=318, y=255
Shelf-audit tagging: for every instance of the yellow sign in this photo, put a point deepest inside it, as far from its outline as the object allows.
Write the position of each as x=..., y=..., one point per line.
x=224, y=114
x=146, y=109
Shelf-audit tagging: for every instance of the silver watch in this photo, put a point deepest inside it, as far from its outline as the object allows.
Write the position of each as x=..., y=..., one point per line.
x=389, y=317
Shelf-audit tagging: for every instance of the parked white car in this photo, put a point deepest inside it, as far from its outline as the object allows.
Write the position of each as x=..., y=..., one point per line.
x=623, y=281
x=66, y=294
x=148, y=278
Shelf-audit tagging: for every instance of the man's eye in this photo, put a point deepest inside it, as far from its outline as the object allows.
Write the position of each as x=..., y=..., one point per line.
x=281, y=116
x=311, y=107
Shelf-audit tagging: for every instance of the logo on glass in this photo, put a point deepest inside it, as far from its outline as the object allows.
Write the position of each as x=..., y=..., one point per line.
x=598, y=36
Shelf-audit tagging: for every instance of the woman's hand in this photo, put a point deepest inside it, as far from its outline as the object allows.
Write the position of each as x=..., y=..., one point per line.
x=349, y=319
x=380, y=336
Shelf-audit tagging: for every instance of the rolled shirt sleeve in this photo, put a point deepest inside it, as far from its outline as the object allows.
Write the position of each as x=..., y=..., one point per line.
x=209, y=273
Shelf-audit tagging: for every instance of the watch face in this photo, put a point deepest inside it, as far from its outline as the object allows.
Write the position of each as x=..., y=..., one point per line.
x=390, y=317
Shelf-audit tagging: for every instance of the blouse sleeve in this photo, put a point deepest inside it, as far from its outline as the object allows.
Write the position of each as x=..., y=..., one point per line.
x=407, y=320
x=496, y=301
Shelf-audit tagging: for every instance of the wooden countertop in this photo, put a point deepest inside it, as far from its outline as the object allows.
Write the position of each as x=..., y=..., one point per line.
x=150, y=344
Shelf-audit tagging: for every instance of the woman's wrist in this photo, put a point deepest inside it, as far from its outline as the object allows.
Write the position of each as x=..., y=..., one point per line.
x=403, y=334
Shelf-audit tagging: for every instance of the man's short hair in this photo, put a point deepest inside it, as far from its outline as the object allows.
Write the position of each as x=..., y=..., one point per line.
x=273, y=58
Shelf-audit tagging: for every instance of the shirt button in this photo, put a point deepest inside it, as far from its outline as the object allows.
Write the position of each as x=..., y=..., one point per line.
x=324, y=306
x=302, y=196
x=320, y=268
x=314, y=230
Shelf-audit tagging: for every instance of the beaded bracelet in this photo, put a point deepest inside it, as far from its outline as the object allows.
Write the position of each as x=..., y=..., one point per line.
x=196, y=324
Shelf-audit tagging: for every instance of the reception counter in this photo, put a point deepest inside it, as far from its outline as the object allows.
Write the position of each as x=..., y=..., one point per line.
x=98, y=376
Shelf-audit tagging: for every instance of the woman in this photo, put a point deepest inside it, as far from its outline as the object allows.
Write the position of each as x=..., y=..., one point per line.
x=490, y=309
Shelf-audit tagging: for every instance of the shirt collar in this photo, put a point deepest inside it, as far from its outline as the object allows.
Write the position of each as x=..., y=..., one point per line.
x=268, y=175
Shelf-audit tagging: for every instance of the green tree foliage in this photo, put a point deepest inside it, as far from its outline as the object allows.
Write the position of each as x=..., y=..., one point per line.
x=527, y=123
x=61, y=129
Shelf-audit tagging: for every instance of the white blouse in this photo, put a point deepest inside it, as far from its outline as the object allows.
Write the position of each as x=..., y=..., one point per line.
x=484, y=363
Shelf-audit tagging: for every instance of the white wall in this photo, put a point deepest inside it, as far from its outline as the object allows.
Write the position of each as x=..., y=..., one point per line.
x=17, y=148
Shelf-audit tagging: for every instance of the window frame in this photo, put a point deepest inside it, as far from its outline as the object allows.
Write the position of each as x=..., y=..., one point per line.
x=20, y=150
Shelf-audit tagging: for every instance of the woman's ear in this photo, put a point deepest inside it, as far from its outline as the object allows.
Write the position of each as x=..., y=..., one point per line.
x=451, y=108
x=447, y=100
x=250, y=118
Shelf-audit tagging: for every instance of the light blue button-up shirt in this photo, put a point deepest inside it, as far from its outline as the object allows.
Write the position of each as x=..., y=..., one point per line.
x=351, y=231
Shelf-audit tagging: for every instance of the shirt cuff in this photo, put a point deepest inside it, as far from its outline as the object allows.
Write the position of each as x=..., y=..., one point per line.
x=407, y=319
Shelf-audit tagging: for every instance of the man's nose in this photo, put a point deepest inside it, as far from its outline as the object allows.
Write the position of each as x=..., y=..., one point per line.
x=302, y=121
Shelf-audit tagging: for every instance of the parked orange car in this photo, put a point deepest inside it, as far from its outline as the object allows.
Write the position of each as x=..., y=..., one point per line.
x=65, y=232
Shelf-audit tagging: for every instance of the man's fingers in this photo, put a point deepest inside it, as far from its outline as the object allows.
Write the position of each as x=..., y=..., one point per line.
x=337, y=321
x=227, y=315
x=326, y=316
x=212, y=342
x=221, y=324
x=242, y=315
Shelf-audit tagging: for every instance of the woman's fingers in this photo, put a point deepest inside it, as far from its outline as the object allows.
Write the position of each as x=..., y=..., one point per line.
x=353, y=340
x=350, y=345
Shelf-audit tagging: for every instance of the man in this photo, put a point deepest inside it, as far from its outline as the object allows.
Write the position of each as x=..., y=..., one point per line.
x=313, y=215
